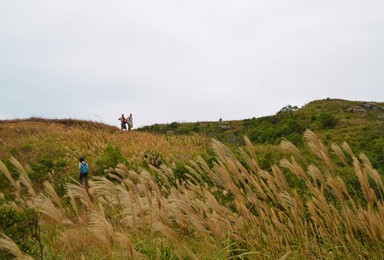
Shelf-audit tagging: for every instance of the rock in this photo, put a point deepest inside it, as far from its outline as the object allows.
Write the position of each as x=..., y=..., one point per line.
x=224, y=126
x=356, y=109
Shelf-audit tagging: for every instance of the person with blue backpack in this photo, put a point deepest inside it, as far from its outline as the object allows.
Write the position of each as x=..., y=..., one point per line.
x=84, y=170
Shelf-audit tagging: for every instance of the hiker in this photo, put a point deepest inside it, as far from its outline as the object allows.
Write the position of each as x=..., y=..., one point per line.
x=84, y=170
x=130, y=122
x=123, y=122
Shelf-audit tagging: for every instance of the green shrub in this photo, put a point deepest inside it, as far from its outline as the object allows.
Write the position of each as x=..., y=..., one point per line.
x=265, y=160
x=22, y=226
x=296, y=138
x=174, y=125
x=48, y=169
x=196, y=128
x=152, y=158
x=327, y=120
x=269, y=135
x=155, y=250
x=375, y=152
x=292, y=125
x=111, y=157
x=180, y=170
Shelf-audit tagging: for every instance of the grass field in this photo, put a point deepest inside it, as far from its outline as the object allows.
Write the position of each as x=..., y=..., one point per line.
x=183, y=197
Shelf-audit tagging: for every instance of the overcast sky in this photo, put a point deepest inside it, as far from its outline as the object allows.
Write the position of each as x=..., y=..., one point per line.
x=185, y=60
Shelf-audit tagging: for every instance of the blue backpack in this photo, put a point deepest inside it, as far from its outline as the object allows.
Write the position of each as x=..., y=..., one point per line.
x=84, y=169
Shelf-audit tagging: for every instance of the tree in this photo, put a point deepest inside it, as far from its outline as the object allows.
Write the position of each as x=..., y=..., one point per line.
x=288, y=108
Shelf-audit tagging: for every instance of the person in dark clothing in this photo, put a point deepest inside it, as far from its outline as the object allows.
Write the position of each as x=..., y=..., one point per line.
x=123, y=122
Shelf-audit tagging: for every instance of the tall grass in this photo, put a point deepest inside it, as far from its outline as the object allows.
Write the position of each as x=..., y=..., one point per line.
x=231, y=208
x=7, y=244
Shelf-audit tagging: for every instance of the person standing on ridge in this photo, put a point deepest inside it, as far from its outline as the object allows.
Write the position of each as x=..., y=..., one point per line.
x=123, y=122
x=84, y=170
x=130, y=122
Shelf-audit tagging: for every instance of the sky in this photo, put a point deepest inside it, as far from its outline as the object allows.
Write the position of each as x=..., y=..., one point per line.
x=167, y=61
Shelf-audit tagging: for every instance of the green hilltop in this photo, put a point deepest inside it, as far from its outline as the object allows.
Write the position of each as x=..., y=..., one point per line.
x=359, y=123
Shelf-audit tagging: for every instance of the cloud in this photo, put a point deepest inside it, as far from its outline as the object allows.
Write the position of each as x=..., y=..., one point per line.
x=167, y=61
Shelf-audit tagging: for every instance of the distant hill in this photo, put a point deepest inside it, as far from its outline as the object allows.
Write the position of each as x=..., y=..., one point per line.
x=341, y=118
x=360, y=123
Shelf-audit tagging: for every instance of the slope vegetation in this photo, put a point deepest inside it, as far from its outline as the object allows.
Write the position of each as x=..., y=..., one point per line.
x=359, y=123
x=299, y=195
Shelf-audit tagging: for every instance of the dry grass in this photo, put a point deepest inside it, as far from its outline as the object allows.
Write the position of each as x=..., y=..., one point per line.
x=67, y=141
x=243, y=211
x=8, y=245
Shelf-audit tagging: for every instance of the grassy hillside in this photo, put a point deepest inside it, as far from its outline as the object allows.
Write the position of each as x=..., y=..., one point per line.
x=340, y=119
x=184, y=196
x=359, y=123
x=52, y=148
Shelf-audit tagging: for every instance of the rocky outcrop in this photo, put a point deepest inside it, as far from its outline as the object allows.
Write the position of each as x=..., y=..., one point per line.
x=364, y=107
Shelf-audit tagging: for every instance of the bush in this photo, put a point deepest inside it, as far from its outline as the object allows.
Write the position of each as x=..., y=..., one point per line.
x=22, y=227
x=296, y=139
x=152, y=158
x=180, y=170
x=174, y=125
x=292, y=126
x=327, y=120
x=47, y=169
x=111, y=157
